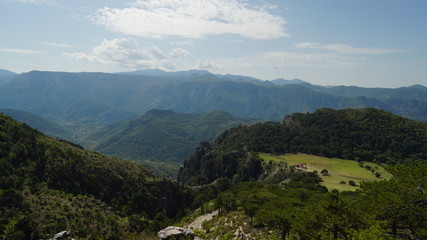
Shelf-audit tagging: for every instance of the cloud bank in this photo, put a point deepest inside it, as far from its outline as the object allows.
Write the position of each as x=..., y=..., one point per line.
x=21, y=51
x=127, y=53
x=192, y=19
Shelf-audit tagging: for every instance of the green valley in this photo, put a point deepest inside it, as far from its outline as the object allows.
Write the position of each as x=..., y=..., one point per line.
x=340, y=171
x=161, y=139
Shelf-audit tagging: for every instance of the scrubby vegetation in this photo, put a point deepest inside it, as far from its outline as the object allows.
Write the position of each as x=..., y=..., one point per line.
x=48, y=186
x=302, y=209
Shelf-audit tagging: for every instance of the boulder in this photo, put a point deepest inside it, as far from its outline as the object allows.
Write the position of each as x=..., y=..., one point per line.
x=62, y=235
x=176, y=233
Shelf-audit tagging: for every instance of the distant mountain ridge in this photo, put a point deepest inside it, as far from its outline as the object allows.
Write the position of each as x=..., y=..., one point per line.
x=161, y=135
x=48, y=127
x=100, y=99
x=6, y=76
x=281, y=81
x=415, y=92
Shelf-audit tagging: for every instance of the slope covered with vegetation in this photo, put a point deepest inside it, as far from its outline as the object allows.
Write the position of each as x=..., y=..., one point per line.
x=47, y=186
x=269, y=198
x=161, y=135
x=301, y=209
x=368, y=134
x=43, y=125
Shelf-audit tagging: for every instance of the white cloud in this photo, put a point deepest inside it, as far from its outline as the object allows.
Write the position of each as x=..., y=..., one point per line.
x=178, y=52
x=60, y=45
x=182, y=43
x=192, y=19
x=127, y=53
x=205, y=64
x=345, y=49
x=21, y=51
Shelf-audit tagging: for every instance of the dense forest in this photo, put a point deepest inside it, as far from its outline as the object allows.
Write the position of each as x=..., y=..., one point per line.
x=367, y=134
x=47, y=186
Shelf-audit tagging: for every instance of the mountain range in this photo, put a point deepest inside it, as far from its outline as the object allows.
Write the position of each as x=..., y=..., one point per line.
x=113, y=113
x=6, y=76
x=99, y=99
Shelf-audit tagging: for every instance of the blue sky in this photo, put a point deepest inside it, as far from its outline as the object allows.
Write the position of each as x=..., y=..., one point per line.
x=370, y=43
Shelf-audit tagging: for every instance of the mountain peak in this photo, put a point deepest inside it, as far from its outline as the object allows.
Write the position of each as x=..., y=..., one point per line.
x=419, y=86
x=161, y=73
x=159, y=112
x=4, y=72
x=281, y=81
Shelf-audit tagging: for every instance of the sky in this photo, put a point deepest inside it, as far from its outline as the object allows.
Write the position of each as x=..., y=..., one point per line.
x=368, y=43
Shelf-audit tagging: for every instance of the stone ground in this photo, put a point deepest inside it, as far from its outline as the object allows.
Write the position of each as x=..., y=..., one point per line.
x=197, y=224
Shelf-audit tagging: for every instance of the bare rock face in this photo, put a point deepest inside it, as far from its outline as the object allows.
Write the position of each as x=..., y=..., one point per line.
x=176, y=233
x=62, y=235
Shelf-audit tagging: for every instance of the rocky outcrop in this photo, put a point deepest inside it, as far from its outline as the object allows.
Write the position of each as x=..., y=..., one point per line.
x=176, y=233
x=62, y=235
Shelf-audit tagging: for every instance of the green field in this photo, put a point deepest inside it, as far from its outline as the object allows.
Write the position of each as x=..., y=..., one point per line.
x=339, y=169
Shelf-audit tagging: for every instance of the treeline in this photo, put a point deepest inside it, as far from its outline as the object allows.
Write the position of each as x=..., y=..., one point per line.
x=366, y=134
x=47, y=186
x=302, y=209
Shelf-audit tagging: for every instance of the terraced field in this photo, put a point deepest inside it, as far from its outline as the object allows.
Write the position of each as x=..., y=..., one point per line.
x=340, y=170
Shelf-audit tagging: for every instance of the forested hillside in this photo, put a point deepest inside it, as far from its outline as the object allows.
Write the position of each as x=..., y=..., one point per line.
x=359, y=134
x=161, y=135
x=264, y=199
x=47, y=186
x=43, y=125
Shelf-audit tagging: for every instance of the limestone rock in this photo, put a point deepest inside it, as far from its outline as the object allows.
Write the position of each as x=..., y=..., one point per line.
x=176, y=233
x=62, y=235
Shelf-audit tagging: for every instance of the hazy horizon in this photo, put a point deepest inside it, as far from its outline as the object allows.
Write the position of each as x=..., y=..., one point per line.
x=353, y=43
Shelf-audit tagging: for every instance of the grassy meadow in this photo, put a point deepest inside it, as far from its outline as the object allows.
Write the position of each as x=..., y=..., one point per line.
x=339, y=169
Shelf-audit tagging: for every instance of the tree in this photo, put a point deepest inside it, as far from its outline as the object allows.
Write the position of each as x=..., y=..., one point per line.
x=324, y=172
x=279, y=214
x=251, y=201
x=400, y=201
x=332, y=216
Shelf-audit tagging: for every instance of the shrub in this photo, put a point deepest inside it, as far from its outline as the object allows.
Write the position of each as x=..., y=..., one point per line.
x=352, y=183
